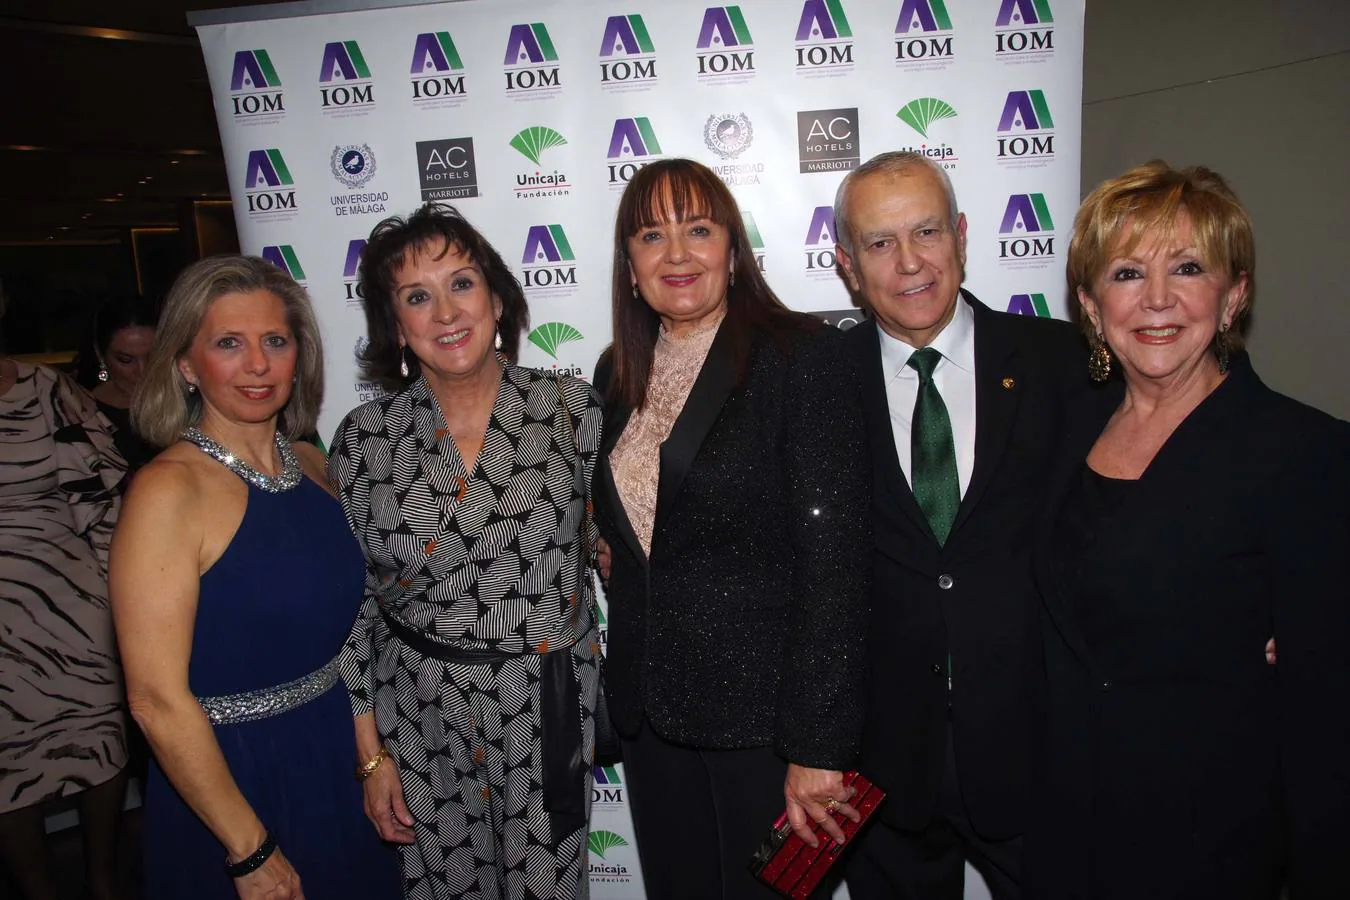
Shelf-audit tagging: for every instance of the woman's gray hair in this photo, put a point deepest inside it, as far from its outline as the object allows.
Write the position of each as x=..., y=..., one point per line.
x=162, y=406
x=889, y=163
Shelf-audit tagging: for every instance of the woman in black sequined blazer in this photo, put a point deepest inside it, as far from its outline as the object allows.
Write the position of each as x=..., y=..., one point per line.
x=737, y=597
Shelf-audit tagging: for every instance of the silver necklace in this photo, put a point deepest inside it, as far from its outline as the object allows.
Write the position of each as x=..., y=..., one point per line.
x=287, y=479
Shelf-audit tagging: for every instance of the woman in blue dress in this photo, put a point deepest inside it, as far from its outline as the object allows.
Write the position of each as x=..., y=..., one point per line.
x=234, y=581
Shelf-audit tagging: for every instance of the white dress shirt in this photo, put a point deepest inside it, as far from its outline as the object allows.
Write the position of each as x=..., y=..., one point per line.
x=954, y=377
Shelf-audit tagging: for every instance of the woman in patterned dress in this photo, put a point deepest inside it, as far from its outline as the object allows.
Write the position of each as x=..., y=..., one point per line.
x=474, y=661
x=61, y=710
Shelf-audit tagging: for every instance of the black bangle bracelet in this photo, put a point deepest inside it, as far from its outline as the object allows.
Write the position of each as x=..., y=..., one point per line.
x=253, y=860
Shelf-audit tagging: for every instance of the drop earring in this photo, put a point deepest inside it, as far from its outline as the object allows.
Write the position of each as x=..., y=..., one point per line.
x=1221, y=348
x=102, y=372
x=403, y=361
x=1099, y=362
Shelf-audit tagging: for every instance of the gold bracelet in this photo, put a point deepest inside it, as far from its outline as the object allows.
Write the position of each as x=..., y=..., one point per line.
x=367, y=770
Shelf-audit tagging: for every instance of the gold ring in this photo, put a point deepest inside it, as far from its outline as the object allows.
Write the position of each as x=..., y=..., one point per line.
x=831, y=805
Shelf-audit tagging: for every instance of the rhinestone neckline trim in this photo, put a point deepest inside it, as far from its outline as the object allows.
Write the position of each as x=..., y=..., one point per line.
x=286, y=480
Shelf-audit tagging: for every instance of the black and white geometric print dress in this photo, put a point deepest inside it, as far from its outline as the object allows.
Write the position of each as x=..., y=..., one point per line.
x=62, y=721
x=487, y=561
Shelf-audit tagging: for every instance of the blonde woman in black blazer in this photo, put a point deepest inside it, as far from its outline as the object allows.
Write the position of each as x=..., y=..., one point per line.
x=1211, y=513
x=737, y=515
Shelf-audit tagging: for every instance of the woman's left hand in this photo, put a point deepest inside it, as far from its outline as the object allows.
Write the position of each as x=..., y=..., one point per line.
x=811, y=795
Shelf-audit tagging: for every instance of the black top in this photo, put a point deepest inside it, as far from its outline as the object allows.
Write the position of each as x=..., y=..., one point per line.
x=1175, y=763
x=1089, y=509
x=130, y=444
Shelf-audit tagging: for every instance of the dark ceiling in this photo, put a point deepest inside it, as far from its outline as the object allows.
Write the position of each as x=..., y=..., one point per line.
x=107, y=120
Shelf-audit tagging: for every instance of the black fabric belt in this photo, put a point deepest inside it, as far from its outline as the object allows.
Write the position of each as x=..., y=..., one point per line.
x=564, y=766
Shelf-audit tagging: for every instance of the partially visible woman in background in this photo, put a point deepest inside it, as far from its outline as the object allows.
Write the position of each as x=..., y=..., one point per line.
x=1196, y=512
x=62, y=721
x=124, y=330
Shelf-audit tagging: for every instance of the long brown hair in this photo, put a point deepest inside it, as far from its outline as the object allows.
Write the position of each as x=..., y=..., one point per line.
x=682, y=189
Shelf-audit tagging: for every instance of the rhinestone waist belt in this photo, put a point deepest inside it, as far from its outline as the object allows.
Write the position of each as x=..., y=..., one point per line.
x=251, y=705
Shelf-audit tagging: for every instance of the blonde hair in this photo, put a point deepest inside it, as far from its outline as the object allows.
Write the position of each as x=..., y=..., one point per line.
x=1143, y=204
x=162, y=406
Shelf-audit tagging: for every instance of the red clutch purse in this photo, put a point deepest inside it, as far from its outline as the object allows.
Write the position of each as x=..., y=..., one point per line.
x=792, y=868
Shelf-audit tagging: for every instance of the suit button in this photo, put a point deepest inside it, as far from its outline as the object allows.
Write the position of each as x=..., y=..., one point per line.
x=936, y=668
x=945, y=582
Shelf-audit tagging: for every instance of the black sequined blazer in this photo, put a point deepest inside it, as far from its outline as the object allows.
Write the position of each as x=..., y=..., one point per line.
x=744, y=628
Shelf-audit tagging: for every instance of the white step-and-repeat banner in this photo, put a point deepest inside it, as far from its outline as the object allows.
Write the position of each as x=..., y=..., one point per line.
x=530, y=117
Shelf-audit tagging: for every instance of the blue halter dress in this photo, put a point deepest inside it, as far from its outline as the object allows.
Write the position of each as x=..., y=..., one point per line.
x=273, y=611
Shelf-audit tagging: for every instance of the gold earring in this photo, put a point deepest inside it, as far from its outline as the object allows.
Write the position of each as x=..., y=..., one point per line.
x=1099, y=362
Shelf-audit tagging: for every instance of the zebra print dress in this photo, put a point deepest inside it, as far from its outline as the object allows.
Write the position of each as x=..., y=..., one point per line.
x=62, y=727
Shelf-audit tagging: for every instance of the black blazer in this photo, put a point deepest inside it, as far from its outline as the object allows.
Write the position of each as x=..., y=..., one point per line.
x=744, y=628
x=974, y=597
x=1176, y=762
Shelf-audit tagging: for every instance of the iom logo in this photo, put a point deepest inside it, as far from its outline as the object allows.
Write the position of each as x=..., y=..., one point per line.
x=1029, y=305
x=283, y=256
x=351, y=273
x=269, y=190
x=923, y=35
x=726, y=52
x=608, y=788
x=1024, y=31
x=922, y=115
x=1026, y=132
x=437, y=72
x=632, y=144
x=756, y=240
x=548, y=264
x=1027, y=233
x=255, y=88
x=824, y=39
x=531, y=62
x=627, y=58
x=819, y=244
x=344, y=78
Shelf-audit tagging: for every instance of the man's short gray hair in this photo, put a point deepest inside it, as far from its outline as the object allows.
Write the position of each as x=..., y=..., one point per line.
x=890, y=163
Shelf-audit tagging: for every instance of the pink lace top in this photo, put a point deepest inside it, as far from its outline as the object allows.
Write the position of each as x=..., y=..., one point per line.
x=636, y=458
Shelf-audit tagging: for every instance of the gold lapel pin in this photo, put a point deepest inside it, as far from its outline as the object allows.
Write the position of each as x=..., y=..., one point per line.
x=1008, y=384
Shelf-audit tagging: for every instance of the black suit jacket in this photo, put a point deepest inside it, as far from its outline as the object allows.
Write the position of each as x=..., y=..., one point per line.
x=744, y=627
x=1176, y=762
x=974, y=597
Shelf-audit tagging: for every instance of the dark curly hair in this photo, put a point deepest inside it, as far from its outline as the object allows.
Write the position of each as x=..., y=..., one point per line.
x=439, y=228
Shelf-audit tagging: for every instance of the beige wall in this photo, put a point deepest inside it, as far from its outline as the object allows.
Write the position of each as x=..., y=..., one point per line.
x=1258, y=90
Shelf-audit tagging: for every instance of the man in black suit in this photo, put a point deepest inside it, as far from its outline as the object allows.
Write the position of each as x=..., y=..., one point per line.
x=964, y=406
